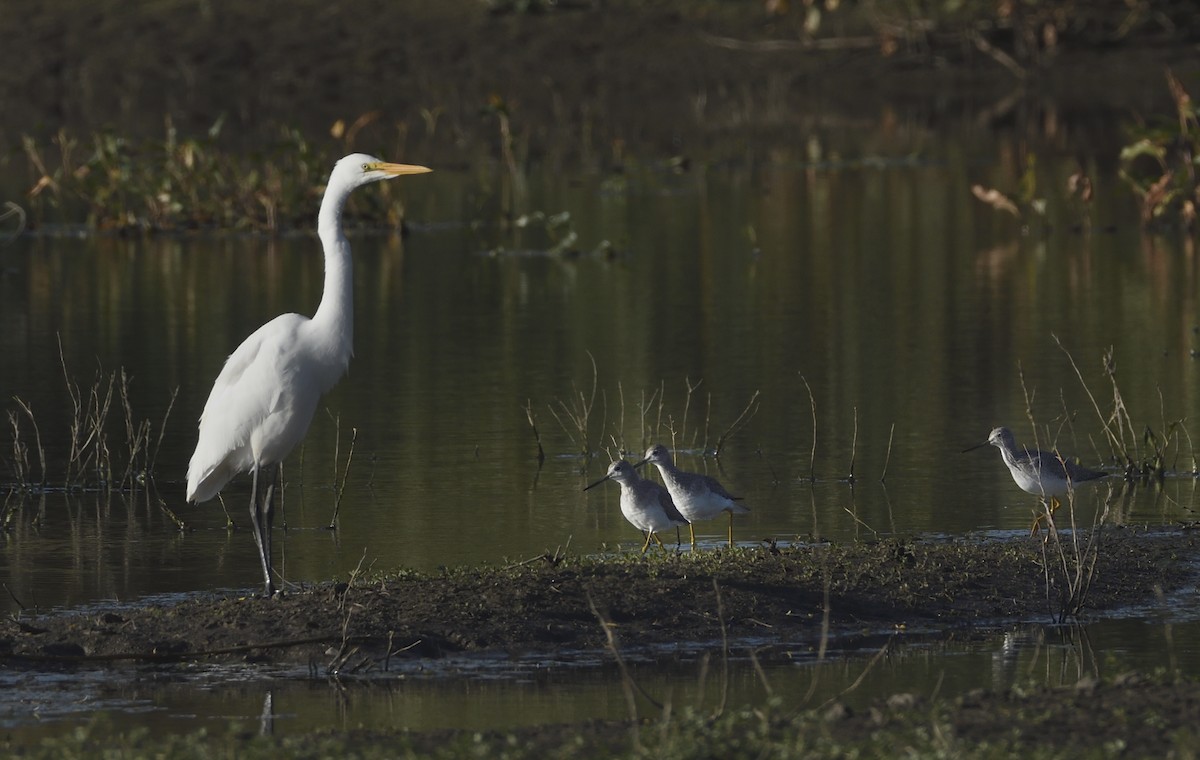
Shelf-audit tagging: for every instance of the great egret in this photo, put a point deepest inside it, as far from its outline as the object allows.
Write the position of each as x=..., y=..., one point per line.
x=265, y=397
x=697, y=496
x=1041, y=473
x=646, y=505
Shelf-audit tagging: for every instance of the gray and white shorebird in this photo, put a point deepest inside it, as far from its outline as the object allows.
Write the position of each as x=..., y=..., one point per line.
x=645, y=504
x=1044, y=474
x=697, y=496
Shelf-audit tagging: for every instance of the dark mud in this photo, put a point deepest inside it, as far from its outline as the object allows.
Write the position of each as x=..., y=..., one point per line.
x=556, y=604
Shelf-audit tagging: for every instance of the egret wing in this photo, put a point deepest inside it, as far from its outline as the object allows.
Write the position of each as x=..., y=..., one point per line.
x=246, y=392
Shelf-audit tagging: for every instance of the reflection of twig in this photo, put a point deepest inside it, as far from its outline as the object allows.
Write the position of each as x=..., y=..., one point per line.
x=724, y=652
x=762, y=674
x=887, y=645
x=627, y=682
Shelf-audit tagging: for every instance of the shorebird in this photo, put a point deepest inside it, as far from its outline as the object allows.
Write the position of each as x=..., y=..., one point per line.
x=645, y=504
x=1044, y=474
x=697, y=496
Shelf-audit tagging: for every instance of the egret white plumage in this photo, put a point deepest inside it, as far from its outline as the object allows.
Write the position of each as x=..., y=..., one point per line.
x=264, y=398
x=645, y=504
x=697, y=496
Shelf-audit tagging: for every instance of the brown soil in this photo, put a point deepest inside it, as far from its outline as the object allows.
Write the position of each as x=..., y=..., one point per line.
x=546, y=604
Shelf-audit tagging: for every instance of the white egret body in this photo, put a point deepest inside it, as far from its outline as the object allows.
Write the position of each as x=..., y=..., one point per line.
x=264, y=398
x=697, y=496
x=645, y=504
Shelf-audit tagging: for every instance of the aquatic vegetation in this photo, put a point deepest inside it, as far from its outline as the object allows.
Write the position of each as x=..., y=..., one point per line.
x=1160, y=164
x=576, y=416
x=183, y=183
x=92, y=461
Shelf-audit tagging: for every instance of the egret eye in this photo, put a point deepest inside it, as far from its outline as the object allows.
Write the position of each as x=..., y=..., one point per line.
x=366, y=167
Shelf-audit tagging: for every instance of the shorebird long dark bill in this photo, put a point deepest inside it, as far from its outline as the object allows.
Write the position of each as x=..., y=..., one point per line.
x=645, y=504
x=697, y=496
x=1045, y=474
x=598, y=482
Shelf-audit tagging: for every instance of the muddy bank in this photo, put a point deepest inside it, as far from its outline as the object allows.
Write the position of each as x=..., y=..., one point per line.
x=553, y=603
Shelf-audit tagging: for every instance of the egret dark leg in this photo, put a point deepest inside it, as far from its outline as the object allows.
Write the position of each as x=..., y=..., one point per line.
x=730, y=529
x=692, y=530
x=260, y=526
x=646, y=545
x=268, y=505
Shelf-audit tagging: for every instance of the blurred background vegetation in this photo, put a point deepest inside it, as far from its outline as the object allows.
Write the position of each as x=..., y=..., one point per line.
x=187, y=114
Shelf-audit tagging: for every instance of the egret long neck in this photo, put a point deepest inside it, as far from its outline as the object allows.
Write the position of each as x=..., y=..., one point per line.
x=335, y=315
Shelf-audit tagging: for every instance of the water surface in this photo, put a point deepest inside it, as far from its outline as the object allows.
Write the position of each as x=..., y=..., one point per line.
x=917, y=318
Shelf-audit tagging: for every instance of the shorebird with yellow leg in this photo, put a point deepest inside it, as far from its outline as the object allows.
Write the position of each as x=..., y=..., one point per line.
x=697, y=496
x=646, y=505
x=1044, y=474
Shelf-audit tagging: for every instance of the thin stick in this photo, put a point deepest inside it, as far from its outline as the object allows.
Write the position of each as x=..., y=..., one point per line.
x=13, y=596
x=888, y=457
x=812, y=462
x=1095, y=405
x=337, y=502
x=537, y=437
x=742, y=419
x=37, y=436
x=163, y=428
x=853, y=445
x=687, y=403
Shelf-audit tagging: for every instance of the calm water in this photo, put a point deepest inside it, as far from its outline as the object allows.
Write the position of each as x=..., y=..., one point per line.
x=918, y=318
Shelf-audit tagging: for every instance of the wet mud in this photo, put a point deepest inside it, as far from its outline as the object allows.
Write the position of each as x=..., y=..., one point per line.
x=567, y=606
x=561, y=604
